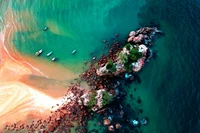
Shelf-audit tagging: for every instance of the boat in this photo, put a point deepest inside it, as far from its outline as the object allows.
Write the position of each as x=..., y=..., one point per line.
x=74, y=51
x=54, y=58
x=38, y=52
x=45, y=28
x=49, y=53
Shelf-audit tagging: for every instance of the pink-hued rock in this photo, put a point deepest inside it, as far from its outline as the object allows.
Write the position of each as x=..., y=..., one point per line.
x=132, y=33
x=51, y=128
x=130, y=39
x=111, y=128
x=139, y=38
x=137, y=66
x=100, y=71
x=143, y=49
x=118, y=126
x=106, y=122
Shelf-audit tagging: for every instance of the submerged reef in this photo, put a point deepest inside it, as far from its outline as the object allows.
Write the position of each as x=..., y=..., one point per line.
x=105, y=78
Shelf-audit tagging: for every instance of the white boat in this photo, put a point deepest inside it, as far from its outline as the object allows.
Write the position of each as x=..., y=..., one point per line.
x=49, y=53
x=54, y=58
x=38, y=52
x=74, y=51
x=45, y=28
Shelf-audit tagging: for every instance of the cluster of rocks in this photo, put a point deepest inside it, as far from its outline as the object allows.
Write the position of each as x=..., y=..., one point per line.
x=72, y=109
x=111, y=126
x=143, y=35
x=93, y=79
x=60, y=120
x=117, y=119
x=98, y=99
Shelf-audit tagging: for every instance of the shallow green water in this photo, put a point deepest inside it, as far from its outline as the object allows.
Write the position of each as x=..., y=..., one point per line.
x=80, y=25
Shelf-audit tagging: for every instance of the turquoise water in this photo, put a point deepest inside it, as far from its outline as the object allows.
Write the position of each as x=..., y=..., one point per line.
x=169, y=87
x=80, y=25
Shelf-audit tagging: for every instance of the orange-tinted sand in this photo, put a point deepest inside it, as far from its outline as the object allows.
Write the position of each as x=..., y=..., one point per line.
x=28, y=86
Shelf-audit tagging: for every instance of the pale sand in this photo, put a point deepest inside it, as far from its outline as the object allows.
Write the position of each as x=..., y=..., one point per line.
x=29, y=87
x=18, y=100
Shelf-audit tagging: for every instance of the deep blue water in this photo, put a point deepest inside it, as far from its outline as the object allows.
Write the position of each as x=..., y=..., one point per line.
x=178, y=89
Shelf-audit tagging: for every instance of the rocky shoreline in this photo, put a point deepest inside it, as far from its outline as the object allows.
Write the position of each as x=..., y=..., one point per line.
x=105, y=77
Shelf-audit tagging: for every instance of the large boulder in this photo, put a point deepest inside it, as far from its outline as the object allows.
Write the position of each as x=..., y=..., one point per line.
x=106, y=122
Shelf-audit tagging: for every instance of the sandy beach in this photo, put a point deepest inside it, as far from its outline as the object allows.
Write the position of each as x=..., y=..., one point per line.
x=28, y=86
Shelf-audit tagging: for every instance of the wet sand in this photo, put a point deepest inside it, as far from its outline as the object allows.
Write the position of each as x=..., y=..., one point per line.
x=28, y=85
x=19, y=101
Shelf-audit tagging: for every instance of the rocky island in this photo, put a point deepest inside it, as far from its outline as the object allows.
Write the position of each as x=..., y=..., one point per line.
x=132, y=56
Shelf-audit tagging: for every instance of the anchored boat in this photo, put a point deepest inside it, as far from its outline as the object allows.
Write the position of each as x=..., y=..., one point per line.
x=49, y=53
x=54, y=58
x=74, y=51
x=38, y=52
x=45, y=28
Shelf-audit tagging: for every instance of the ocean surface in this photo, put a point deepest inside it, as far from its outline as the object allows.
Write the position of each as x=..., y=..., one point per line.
x=169, y=82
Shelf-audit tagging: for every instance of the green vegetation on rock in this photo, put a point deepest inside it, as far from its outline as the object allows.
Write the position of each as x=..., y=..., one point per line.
x=107, y=98
x=128, y=59
x=128, y=66
x=134, y=54
x=111, y=66
x=123, y=57
x=92, y=101
x=128, y=46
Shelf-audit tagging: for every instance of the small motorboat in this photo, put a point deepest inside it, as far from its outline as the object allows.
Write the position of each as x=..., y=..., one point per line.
x=74, y=51
x=38, y=52
x=54, y=58
x=49, y=53
x=45, y=28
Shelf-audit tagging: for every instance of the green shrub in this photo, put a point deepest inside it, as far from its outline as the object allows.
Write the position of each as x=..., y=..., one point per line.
x=128, y=46
x=123, y=58
x=132, y=58
x=134, y=50
x=111, y=66
x=134, y=55
x=128, y=67
x=92, y=98
x=107, y=98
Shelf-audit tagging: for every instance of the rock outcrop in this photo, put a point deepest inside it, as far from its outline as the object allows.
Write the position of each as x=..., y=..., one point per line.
x=95, y=100
x=133, y=55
